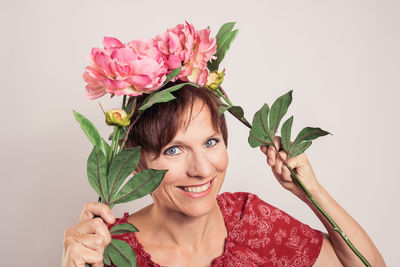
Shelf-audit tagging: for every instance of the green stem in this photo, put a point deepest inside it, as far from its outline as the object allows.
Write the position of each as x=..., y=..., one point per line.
x=124, y=102
x=112, y=144
x=122, y=146
x=241, y=119
x=335, y=227
x=227, y=100
x=224, y=96
x=116, y=143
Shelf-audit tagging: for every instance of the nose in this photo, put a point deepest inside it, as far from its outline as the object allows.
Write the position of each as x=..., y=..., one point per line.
x=200, y=166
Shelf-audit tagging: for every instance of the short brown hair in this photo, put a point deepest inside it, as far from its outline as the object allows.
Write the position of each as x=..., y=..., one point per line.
x=158, y=125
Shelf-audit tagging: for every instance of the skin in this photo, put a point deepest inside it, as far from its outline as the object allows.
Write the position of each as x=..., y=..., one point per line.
x=177, y=230
x=335, y=251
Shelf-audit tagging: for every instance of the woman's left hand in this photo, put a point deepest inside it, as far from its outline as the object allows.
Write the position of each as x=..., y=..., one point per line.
x=299, y=164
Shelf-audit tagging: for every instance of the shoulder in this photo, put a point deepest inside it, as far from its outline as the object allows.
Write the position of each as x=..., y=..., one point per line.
x=266, y=231
x=239, y=205
x=248, y=209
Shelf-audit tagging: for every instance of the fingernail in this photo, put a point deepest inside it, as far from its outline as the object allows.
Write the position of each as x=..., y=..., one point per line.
x=111, y=217
x=270, y=161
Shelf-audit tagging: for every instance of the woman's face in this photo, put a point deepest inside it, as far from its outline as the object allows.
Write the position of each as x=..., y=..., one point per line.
x=196, y=160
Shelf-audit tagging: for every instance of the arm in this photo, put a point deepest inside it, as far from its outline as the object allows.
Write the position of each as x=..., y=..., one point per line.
x=334, y=250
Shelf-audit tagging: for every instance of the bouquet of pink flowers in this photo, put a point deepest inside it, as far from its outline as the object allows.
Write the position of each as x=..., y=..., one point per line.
x=147, y=67
x=141, y=66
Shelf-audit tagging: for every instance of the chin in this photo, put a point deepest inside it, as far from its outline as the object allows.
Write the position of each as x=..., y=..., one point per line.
x=199, y=210
x=200, y=206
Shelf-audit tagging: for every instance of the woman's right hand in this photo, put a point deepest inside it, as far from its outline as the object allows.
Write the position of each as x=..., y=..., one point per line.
x=85, y=242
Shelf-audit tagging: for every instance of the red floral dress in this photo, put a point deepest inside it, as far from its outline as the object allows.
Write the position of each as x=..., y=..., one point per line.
x=258, y=235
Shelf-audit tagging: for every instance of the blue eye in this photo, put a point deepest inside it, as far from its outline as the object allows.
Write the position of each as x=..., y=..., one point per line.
x=211, y=142
x=172, y=151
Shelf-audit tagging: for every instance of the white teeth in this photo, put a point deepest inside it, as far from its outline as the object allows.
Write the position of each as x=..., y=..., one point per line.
x=197, y=189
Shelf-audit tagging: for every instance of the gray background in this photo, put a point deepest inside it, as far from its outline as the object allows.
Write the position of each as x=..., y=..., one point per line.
x=341, y=58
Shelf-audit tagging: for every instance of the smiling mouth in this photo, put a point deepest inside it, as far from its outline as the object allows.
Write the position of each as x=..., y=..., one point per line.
x=196, y=189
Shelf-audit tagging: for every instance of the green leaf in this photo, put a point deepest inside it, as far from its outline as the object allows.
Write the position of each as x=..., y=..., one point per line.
x=123, y=228
x=225, y=45
x=222, y=109
x=286, y=133
x=106, y=258
x=163, y=95
x=309, y=133
x=97, y=172
x=226, y=28
x=91, y=131
x=121, y=253
x=139, y=185
x=224, y=38
x=299, y=148
x=238, y=113
x=123, y=131
x=278, y=110
x=122, y=165
x=172, y=75
x=212, y=65
x=130, y=106
x=105, y=148
x=237, y=110
x=259, y=135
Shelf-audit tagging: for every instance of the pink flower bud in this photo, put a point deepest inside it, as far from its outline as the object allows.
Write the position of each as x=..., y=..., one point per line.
x=117, y=117
x=214, y=79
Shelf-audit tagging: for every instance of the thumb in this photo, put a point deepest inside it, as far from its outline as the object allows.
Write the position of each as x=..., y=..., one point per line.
x=293, y=162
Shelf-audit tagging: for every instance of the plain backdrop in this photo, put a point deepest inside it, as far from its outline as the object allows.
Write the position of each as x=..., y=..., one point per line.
x=341, y=58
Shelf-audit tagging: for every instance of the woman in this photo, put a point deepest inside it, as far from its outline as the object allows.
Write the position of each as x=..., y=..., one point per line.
x=190, y=224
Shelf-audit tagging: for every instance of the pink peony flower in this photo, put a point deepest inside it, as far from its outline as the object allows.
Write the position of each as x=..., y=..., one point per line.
x=124, y=69
x=185, y=47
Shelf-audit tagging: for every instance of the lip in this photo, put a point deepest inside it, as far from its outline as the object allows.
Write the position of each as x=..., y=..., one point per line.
x=198, y=195
x=196, y=184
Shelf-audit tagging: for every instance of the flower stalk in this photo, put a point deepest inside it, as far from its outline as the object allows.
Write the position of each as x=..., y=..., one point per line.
x=334, y=225
x=116, y=141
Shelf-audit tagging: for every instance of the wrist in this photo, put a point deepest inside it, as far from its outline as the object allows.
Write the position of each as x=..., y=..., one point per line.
x=316, y=191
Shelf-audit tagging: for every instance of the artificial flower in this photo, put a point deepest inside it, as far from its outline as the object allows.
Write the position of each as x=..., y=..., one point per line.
x=185, y=47
x=124, y=69
x=117, y=117
x=214, y=79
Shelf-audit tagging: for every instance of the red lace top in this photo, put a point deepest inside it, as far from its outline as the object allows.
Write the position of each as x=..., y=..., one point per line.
x=258, y=235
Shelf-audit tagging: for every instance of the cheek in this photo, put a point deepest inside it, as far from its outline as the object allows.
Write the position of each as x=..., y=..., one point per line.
x=221, y=160
x=171, y=178
x=163, y=189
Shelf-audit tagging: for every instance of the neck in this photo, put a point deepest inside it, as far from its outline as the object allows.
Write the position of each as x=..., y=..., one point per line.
x=176, y=228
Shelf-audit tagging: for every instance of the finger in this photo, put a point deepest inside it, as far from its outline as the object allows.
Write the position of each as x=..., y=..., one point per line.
x=264, y=149
x=293, y=162
x=277, y=142
x=79, y=255
x=278, y=166
x=271, y=156
x=92, y=257
x=280, y=162
x=92, y=241
x=93, y=209
x=98, y=264
x=285, y=174
x=272, y=150
x=93, y=226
